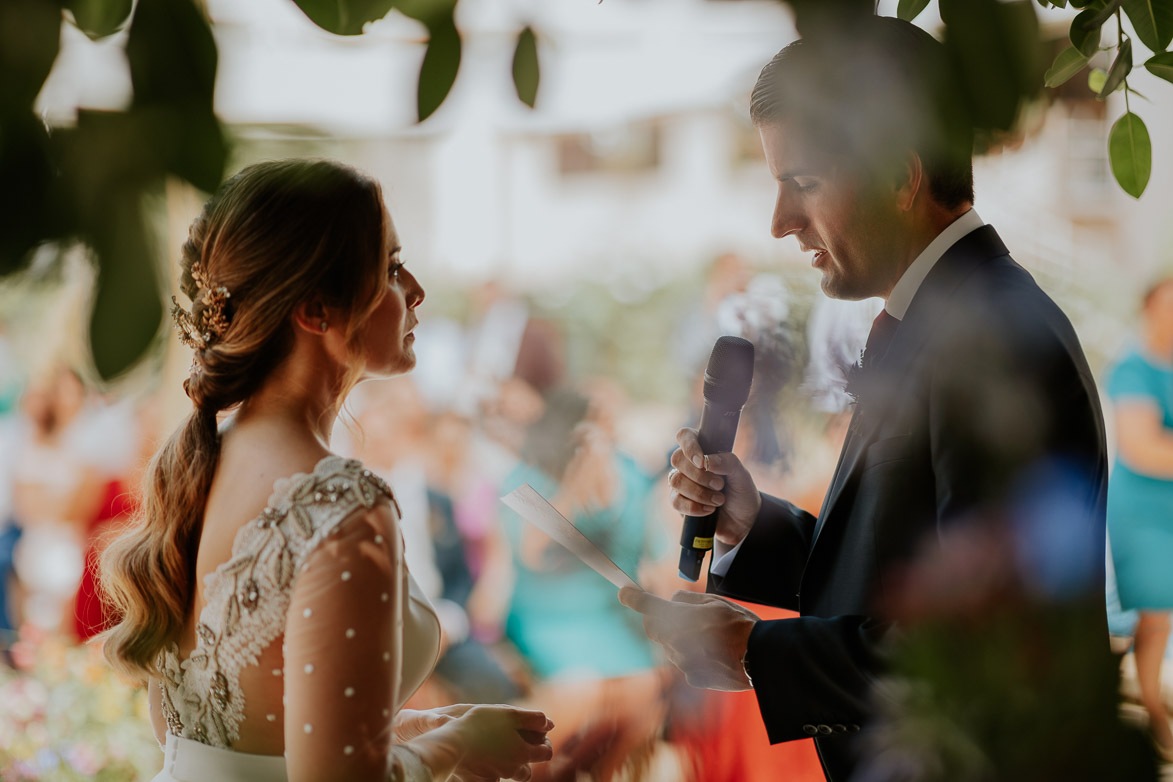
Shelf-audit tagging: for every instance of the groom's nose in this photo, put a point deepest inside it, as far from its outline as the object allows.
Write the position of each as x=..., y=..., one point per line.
x=788, y=217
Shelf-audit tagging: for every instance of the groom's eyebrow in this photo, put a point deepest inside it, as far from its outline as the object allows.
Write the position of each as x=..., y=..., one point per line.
x=785, y=175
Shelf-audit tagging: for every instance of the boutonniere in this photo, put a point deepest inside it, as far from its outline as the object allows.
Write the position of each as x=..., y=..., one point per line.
x=855, y=380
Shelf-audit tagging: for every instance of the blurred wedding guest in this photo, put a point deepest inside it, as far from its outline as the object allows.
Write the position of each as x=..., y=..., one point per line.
x=592, y=661
x=836, y=331
x=456, y=383
x=728, y=275
x=498, y=325
x=58, y=485
x=9, y=531
x=398, y=441
x=1140, y=496
x=10, y=376
x=132, y=441
x=761, y=314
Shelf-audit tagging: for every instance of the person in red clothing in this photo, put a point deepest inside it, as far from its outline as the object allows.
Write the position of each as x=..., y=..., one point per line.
x=90, y=614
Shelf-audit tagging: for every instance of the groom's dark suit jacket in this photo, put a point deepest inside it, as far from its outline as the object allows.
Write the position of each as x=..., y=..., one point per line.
x=983, y=395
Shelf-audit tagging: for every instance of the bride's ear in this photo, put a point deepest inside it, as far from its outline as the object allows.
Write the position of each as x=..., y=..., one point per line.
x=312, y=316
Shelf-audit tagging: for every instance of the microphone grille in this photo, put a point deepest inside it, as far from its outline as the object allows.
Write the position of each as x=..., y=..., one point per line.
x=730, y=372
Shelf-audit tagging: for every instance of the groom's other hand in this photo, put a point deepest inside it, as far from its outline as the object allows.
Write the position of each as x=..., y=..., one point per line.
x=701, y=484
x=705, y=636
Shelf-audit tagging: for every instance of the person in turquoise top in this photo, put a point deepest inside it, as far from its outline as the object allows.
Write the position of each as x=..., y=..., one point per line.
x=1140, y=496
x=563, y=617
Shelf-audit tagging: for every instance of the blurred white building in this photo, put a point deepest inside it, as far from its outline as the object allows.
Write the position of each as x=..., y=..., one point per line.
x=638, y=161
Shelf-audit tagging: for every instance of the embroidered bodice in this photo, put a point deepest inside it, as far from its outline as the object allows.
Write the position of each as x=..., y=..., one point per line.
x=315, y=570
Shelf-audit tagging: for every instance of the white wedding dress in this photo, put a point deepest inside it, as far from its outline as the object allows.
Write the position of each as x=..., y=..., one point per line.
x=357, y=638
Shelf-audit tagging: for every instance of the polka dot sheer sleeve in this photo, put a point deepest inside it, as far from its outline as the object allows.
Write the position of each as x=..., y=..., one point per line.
x=343, y=656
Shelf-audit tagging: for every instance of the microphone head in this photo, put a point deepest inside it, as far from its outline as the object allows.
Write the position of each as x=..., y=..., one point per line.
x=729, y=373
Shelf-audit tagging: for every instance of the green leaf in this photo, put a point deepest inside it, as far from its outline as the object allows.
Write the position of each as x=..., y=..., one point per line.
x=1085, y=36
x=910, y=9
x=1121, y=67
x=526, y=73
x=30, y=34
x=1153, y=22
x=1161, y=65
x=1130, y=152
x=127, y=310
x=1069, y=62
x=172, y=54
x=173, y=63
x=99, y=18
x=189, y=144
x=994, y=47
x=344, y=17
x=1104, y=14
x=32, y=210
x=440, y=65
x=817, y=18
x=1095, y=80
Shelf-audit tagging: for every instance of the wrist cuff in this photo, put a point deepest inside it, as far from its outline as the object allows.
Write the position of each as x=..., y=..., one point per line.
x=408, y=766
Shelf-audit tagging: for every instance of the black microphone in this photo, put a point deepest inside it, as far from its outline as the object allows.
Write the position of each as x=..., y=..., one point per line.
x=727, y=380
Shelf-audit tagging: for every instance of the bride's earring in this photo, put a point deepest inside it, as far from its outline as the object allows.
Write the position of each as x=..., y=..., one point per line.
x=324, y=326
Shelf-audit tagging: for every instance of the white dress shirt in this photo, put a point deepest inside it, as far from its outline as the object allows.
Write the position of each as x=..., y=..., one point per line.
x=896, y=306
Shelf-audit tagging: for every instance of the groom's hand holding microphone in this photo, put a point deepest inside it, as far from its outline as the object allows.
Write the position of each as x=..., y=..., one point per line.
x=706, y=636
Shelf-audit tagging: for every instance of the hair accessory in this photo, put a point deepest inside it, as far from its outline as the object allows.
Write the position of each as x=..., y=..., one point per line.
x=208, y=319
x=325, y=326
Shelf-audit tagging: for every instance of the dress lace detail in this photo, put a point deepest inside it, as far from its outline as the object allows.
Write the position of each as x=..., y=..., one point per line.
x=249, y=595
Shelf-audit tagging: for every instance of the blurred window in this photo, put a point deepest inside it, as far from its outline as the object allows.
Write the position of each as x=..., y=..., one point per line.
x=633, y=148
x=747, y=142
x=1087, y=155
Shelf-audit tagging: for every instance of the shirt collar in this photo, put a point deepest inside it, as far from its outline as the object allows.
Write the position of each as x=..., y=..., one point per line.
x=910, y=282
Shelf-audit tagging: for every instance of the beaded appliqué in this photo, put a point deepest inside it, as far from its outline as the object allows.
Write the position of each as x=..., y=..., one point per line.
x=249, y=595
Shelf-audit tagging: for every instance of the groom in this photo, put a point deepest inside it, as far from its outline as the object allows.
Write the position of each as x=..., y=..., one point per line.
x=973, y=391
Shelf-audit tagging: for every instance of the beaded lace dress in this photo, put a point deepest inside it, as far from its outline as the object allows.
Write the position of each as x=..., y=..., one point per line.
x=327, y=579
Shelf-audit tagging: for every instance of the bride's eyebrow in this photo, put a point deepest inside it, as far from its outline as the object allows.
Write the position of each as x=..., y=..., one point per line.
x=394, y=251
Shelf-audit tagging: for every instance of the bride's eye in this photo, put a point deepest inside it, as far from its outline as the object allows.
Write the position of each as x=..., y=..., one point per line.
x=393, y=270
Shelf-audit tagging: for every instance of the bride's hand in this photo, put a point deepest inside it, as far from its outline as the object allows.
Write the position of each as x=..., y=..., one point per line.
x=500, y=742
x=410, y=723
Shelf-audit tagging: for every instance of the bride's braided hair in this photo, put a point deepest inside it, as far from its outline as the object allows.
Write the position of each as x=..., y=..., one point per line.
x=274, y=235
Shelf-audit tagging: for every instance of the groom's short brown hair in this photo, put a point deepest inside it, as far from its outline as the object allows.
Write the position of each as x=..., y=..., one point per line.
x=873, y=90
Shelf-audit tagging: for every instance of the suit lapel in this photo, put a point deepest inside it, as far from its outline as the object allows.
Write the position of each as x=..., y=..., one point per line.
x=928, y=305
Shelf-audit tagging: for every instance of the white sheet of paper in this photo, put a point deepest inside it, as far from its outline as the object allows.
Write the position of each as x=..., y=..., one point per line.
x=534, y=508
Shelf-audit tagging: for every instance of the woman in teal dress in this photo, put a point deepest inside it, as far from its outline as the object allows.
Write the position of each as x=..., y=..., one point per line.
x=1140, y=496
x=563, y=617
x=597, y=676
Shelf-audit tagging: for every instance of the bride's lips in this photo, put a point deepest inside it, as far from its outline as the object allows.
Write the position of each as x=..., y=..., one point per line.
x=818, y=258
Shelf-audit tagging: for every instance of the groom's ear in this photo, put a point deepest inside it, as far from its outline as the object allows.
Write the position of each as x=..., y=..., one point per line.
x=908, y=180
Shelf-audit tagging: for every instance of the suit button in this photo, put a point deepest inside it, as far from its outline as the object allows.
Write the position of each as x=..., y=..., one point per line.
x=809, y=730
x=840, y=728
x=825, y=730
x=853, y=728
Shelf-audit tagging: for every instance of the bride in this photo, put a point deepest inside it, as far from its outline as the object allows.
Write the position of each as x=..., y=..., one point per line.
x=263, y=593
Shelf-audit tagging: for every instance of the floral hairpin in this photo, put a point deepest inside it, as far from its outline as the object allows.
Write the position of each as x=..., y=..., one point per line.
x=208, y=319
